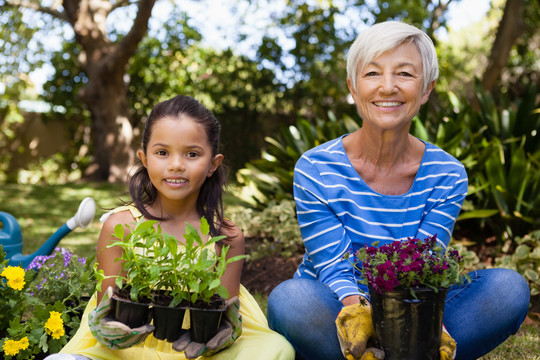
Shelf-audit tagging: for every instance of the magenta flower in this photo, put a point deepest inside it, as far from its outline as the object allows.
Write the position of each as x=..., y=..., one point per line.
x=407, y=263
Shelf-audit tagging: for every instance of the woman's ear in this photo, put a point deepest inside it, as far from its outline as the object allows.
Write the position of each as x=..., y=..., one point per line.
x=216, y=161
x=425, y=96
x=352, y=90
x=142, y=156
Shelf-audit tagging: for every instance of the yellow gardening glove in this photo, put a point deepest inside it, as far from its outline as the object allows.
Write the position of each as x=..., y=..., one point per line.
x=354, y=329
x=448, y=346
x=373, y=354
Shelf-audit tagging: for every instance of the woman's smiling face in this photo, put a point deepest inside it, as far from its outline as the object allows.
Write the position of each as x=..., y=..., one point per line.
x=388, y=90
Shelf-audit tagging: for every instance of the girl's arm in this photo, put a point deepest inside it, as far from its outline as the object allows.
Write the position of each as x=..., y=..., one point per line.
x=233, y=273
x=106, y=256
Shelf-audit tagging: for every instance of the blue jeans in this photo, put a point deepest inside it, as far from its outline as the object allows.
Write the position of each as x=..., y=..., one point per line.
x=479, y=315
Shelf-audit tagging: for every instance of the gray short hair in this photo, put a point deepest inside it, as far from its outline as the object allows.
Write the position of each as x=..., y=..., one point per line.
x=386, y=36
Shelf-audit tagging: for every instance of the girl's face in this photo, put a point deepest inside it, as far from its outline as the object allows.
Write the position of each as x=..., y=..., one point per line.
x=179, y=158
x=388, y=90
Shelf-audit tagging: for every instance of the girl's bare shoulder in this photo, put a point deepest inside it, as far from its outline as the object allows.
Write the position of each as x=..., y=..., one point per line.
x=124, y=218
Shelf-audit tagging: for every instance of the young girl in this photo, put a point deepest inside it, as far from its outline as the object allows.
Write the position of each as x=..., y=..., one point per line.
x=180, y=180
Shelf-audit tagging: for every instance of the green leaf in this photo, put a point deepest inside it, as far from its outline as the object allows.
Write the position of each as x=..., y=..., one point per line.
x=522, y=252
x=205, y=228
x=119, y=231
x=214, y=284
x=531, y=275
x=478, y=214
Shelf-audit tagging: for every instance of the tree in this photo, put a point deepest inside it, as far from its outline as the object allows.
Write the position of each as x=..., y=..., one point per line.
x=512, y=64
x=104, y=62
x=511, y=27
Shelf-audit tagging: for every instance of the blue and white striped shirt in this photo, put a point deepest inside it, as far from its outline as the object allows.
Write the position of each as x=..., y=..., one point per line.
x=338, y=212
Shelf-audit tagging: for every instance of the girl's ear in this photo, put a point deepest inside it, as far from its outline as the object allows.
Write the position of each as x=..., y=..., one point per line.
x=216, y=161
x=142, y=156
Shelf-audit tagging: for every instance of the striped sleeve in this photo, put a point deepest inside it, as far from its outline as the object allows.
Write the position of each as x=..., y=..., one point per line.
x=449, y=184
x=324, y=236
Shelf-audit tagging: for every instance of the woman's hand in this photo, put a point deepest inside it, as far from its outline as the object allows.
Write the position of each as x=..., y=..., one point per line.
x=355, y=328
x=448, y=346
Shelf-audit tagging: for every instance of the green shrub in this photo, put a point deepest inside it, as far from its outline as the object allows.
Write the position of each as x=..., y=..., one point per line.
x=271, y=176
x=525, y=259
x=275, y=228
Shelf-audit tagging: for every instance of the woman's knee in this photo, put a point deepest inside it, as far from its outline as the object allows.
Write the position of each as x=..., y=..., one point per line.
x=283, y=300
x=512, y=286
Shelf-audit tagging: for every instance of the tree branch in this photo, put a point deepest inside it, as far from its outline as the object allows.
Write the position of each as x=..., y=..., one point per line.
x=129, y=44
x=50, y=10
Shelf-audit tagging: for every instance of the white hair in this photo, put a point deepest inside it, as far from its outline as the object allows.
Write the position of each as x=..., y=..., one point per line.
x=386, y=36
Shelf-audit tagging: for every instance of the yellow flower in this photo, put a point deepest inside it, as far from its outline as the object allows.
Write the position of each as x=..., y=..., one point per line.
x=15, y=277
x=55, y=325
x=23, y=343
x=11, y=347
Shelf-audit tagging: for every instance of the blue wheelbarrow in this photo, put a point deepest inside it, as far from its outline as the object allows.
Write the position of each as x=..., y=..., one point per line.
x=12, y=241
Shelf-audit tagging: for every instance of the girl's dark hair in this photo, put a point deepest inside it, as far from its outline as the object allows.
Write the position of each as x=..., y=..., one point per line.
x=209, y=202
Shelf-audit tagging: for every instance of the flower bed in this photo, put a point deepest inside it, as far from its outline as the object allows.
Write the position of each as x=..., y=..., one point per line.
x=40, y=307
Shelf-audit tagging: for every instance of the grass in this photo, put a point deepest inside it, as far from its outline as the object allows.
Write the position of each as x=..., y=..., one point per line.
x=42, y=209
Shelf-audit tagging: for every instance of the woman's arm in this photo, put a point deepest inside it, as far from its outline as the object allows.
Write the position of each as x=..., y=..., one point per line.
x=233, y=273
x=323, y=233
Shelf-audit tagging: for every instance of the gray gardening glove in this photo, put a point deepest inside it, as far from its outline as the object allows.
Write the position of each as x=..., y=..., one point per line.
x=111, y=333
x=229, y=330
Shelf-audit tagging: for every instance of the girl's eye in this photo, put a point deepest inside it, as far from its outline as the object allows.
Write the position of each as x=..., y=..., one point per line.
x=161, y=153
x=192, y=154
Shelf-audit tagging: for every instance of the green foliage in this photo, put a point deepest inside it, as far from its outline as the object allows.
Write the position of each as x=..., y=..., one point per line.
x=470, y=260
x=153, y=260
x=271, y=176
x=203, y=269
x=141, y=251
x=525, y=259
x=41, y=306
x=63, y=276
x=505, y=172
x=275, y=228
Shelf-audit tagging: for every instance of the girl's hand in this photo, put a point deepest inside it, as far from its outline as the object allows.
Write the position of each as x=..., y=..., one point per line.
x=111, y=333
x=229, y=330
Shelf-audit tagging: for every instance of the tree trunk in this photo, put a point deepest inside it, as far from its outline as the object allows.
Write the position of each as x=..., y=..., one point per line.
x=105, y=63
x=510, y=29
x=112, y=133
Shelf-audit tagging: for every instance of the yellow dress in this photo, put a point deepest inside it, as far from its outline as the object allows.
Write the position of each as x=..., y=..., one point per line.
x=257, y=341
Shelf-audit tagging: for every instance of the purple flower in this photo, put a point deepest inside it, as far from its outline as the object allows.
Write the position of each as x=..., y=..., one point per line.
x=408, y=263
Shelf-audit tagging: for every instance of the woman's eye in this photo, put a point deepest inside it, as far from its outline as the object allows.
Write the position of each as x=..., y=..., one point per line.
x=371, y=73
x=404, y=73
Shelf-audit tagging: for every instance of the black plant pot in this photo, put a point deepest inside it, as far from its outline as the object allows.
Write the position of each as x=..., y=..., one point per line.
x=408, y=328
x=131, y=313
x=168, y=322
x=204, y=323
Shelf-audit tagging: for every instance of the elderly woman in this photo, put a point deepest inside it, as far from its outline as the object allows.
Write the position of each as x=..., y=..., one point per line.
x=380, y=183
